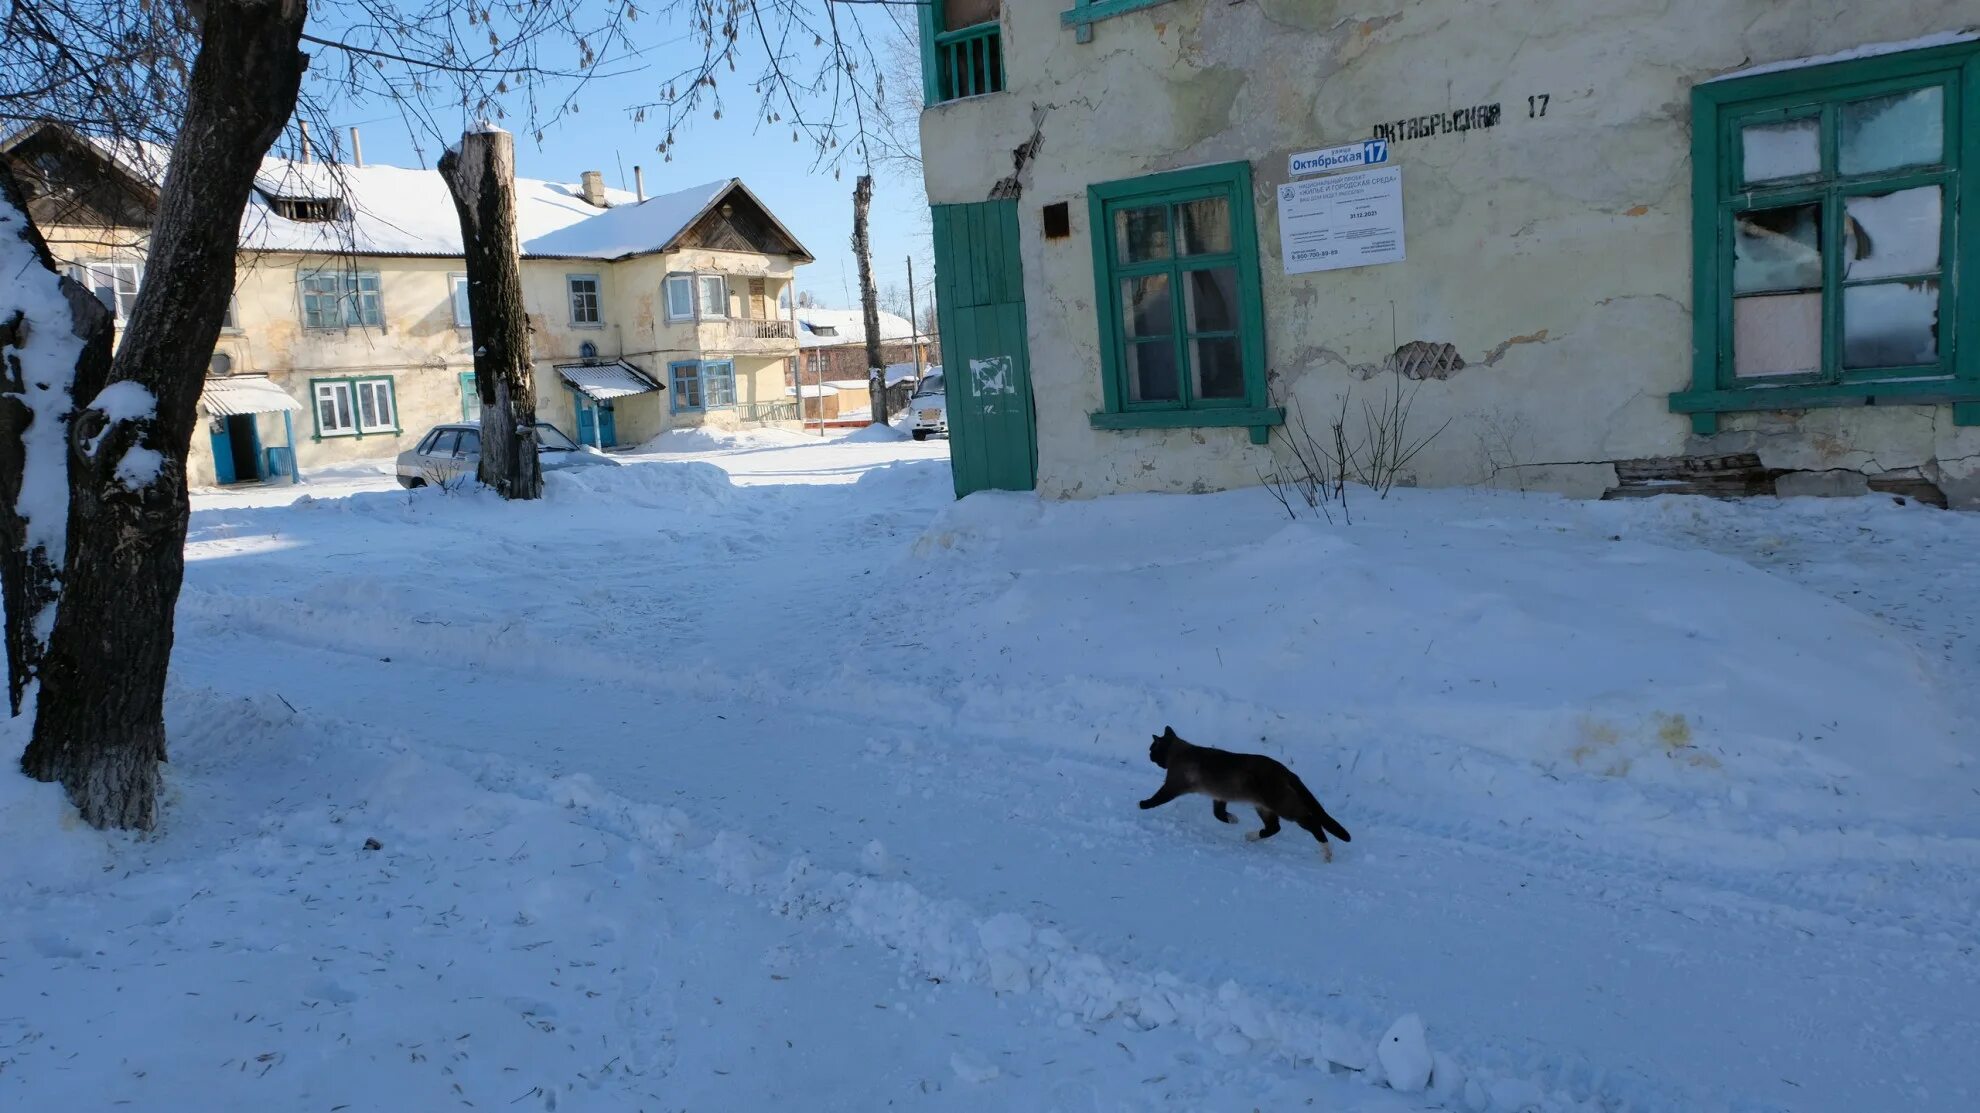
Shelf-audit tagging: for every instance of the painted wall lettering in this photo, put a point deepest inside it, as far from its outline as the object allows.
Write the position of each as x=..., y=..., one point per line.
x=1536, y=106
x=1455, y=122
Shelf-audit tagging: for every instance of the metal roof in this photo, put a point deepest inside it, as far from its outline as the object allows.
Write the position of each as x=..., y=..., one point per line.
x=603, y=382
x=245, y=394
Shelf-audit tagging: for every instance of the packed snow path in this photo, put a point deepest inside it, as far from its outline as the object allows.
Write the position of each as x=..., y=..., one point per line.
x=705, y=790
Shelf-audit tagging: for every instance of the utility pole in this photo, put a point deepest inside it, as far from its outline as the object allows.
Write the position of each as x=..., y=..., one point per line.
x=914, y=323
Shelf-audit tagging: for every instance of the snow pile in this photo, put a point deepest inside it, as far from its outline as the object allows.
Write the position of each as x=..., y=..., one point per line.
x=1463, y=649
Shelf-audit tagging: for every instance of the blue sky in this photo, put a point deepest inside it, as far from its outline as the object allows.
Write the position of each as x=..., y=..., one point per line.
x=811, y=202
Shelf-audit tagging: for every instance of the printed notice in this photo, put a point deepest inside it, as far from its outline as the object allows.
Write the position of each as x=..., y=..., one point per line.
x=1351, y=220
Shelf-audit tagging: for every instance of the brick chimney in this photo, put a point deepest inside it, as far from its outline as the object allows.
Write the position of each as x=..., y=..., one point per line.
x=593, y=190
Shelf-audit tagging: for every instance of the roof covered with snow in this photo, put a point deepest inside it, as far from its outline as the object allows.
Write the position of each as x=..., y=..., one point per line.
x=829, y=328
x=395, y=210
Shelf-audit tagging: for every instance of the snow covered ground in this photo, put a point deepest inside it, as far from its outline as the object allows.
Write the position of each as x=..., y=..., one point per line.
x=758, y=774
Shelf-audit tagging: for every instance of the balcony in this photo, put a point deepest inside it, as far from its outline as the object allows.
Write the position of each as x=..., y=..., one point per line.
x=968, y=62
x=758, y=328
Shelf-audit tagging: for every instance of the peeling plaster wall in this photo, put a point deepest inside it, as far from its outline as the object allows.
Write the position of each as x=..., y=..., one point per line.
x=1553, y=252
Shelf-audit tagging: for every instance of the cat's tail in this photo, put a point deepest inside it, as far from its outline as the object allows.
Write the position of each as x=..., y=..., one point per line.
x=1320, y=816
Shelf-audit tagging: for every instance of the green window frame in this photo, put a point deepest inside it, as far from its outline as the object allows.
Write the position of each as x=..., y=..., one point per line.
x=1085, y=13
x=470, y=398
x=360, y=406
x=340, y=299
x=1837, y=225
x=1175, y=266
x=959, y=62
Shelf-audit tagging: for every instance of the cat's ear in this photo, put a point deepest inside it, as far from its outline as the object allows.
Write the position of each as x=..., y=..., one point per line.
x=1168, y=732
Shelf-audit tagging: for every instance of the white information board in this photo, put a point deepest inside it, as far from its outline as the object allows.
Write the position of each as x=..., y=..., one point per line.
x=1349, y=220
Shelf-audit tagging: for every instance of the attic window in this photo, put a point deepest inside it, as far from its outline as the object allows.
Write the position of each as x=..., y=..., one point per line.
x=823, y=330
x=315, y=210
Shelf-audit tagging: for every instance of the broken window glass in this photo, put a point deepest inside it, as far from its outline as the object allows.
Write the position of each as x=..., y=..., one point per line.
x=1777, y=334
x=1886, y=133
x=1891, y=324
x=1790, y=149
x=1778, y=249
x=1890, y=235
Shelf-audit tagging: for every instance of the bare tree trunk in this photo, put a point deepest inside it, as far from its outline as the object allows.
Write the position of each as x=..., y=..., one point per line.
x=481, y=175
x=99, y=719
x=869, y=300
x=45, y=362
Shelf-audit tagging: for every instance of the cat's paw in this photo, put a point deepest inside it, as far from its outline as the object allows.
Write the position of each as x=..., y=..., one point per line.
x=1147, y=804
x=1253, y=836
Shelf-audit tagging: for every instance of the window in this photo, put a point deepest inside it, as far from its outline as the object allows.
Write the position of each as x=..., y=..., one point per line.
x=1182, y=334
x=698, y=297
x=313, y=210
x=462, y=319
x=354, y=407
x=114, y=284
x=714, y=291
x=1827, y=255
x=584, y=299
x=587, y=350
x=962, y=53
x=220, y=365
x=470, y=398
x=441, y=442
x=718, y=384
x=340, y=299
x=687, y=386
x=680, y=297
x=231, y=322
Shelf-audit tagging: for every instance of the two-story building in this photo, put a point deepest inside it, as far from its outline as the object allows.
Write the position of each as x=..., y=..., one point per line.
x=1603, y=246
x=349, y=334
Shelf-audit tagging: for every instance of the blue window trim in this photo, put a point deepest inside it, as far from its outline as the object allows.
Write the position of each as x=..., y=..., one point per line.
x=675, y=379
x=710, y=364
x=1085, y=13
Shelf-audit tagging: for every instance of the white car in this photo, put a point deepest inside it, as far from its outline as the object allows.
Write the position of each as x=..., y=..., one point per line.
x=450, y=452
x=930, y=406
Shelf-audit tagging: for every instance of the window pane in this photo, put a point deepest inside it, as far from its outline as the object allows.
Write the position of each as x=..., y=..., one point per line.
x=1884, y=133
x=1788, y=149
x=470, y=444
x=326, y=408
x=1778, y=249
x=680, y=297
x=714, y=297
x=443, y=443
x=1217, y=367
x=1892, y=234
x=1212, y=296
x=1152, y=372
x=1895, y=324
x=1206, y=226
x=1777, y=334
x=367, y=407
x=1146, y=309
x=461, y=318
x=1142, y=234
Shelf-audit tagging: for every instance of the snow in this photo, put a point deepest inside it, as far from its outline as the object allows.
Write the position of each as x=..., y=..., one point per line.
x=848, y=327
x=1405, y=1055
x=628, y=229
x=139, y=467
x=125, y=401
x=408, y=211
x=1869, y=50
x=759, y=774
x=45, y=349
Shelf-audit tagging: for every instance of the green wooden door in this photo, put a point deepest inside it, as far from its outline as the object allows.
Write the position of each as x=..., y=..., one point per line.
x=986, y=369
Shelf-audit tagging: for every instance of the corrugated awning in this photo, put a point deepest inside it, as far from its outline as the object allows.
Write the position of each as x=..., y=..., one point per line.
x=602, y=382
x=245, y=395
